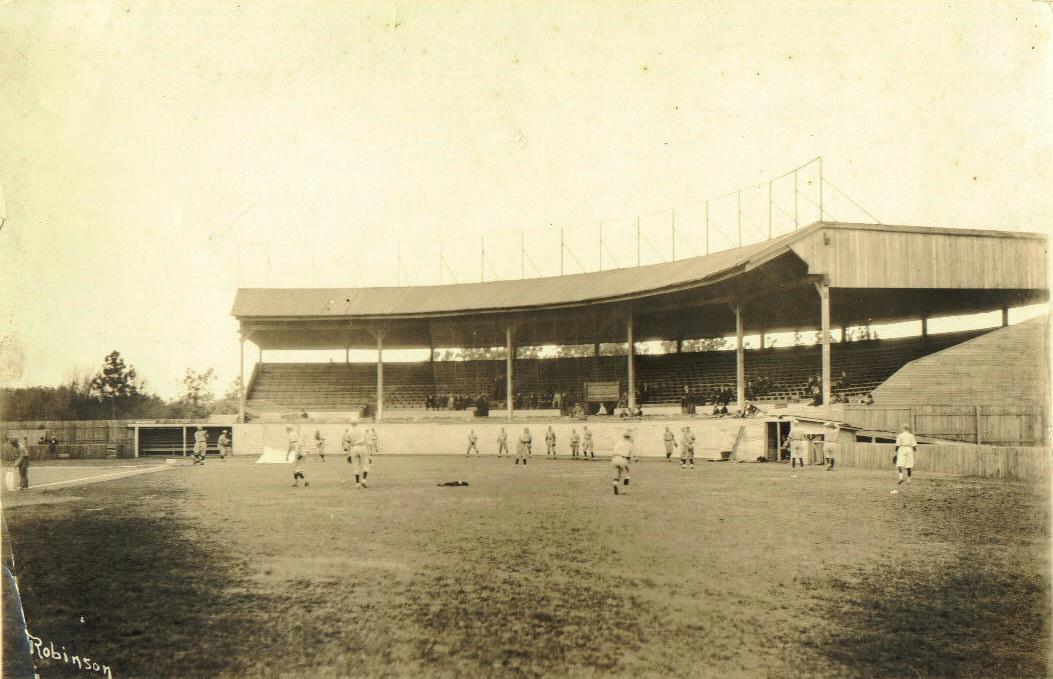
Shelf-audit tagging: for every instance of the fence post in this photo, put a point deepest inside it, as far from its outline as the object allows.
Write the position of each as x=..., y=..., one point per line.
x=977, y=413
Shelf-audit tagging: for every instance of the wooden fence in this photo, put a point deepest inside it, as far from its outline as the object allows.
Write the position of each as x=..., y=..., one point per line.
x=980, y=424
x=998, y=462
x=78, y=439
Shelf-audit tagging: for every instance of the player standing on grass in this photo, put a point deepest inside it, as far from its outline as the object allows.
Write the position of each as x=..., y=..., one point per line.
x=319, y=444
x=200, y=445
x=357, y=454
x=575, y=443
x=223, y=442
x=22, y=462
x=797, y=445
x=687, y=448
x=830, y=444
x=472, y=440
x=502, y=443
x=296, y=451
x=670, y=443
x=906, y=447
x=589, y=451
x=550, y=442
x=523, y=446
x=623, y=454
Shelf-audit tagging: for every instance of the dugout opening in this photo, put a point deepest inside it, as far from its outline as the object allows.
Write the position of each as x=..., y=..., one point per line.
x=175, y=440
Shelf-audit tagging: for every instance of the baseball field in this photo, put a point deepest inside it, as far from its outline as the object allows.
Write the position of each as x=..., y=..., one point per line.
x=729, y=570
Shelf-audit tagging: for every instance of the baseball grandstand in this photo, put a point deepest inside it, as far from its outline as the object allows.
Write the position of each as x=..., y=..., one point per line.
x=977, y=386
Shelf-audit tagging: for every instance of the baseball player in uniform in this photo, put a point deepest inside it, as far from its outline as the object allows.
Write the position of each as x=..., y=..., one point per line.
x=357, y=453
x=798, y=445
x=687, y=448
x=296, y=450
x=830, y=446
x=502, y=442
x=319, y=444
x=200, y=445
x=623, y=454
x=472, y=440
x=523, y=446
x=224, y=444
x=550, y=442
x=589, y=453
x=906, y=448
x=575, y=442
x=670, y=443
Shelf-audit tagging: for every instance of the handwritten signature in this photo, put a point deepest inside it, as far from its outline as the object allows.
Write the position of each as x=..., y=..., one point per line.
x=49, y=652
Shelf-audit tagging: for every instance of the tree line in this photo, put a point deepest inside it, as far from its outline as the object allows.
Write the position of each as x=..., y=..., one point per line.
x=116, y=392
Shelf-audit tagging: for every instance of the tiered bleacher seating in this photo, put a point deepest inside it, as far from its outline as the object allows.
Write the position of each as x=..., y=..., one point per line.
x=349, y=387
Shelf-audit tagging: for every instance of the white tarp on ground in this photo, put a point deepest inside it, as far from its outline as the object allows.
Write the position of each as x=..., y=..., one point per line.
x=273, y=456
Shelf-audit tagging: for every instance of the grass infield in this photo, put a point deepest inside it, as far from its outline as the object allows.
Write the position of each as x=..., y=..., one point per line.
x=730, y=570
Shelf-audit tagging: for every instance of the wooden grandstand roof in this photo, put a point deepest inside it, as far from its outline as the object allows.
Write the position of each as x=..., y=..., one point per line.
x=868, y=267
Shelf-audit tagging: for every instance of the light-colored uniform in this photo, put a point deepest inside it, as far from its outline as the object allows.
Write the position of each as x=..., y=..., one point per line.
x=200, y=443
x=623, y=454
x=319, y=446
x=905, y=444
x=293, y=451
x=589, y=451
x=357, y=452
x=550, y=442
x=224, y=445
x=798, y=446
x=575, y=443
x=502, y=443
x=523, y=446
x=472, y=440
x=687, y=447
x=670, y=443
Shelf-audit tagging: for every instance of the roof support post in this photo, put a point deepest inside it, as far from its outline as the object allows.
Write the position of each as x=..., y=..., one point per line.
x=823, y=289
x=740, y=359
x=1005, y=316
x=241, y=391
x=510, y=354
x=924, y=327
x=630, y=355
x=379, y=414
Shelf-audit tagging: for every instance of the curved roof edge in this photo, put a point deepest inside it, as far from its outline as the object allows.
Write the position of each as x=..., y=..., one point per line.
x=546, y=292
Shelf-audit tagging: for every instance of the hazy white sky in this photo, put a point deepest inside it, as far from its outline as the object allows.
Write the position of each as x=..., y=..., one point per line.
x=155, y=156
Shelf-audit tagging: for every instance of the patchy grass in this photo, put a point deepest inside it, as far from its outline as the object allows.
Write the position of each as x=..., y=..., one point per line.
x=733, y=570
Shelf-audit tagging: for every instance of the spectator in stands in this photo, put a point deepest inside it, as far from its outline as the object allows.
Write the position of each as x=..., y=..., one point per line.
x=817, y=395
x=869, y=400
x=637, y=411
x=52, y=447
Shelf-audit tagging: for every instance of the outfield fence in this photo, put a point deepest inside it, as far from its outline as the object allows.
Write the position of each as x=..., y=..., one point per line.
x=996, y=462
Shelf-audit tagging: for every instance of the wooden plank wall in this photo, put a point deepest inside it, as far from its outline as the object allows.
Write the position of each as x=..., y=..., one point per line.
x=998, y=425
x=943, y=259
x=1022, y=463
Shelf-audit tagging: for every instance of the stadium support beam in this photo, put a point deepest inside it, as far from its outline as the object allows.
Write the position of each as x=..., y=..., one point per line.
x=241, y=389
x=510, y=354
x=924, y=327
x=1005, y=316
x=630, y=353
x=380, y=376
x=740, y=359
x=823, y=289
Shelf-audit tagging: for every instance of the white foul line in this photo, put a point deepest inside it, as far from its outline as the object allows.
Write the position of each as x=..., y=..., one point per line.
x=99, y=476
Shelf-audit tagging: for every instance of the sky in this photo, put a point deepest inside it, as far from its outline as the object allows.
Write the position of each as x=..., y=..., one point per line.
x=156, y=156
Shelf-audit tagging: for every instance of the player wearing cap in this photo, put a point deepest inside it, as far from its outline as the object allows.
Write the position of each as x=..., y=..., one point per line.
x=589, y=452
x=830, y=445
x=550, y=442
x=906, y=448
x=523, y=446
x=687, y=448
x=798, y=445
x=670, y=443
x=502, y=442
x=623, y=454
x=223, y=443
x=472, y=440
x=357, y=454
x=295, y=450
x=200, y=445
x=575, y=442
